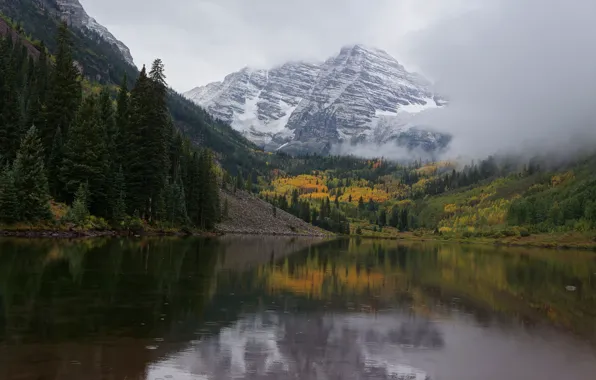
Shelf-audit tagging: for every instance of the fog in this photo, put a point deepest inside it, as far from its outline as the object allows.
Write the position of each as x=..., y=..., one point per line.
x=520, y=76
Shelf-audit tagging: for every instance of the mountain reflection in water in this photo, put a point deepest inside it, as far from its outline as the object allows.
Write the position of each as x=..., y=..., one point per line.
x=292, y=308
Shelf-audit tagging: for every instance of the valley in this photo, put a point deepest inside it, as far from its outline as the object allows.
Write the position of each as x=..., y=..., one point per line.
x=338, y=216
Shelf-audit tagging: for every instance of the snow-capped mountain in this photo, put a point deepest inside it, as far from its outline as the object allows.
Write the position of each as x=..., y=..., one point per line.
x=75, y=15
x=361, y=95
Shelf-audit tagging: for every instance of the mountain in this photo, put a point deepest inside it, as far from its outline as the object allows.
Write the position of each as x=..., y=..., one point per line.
x=361, y=95
x=104, y=59
x=101, y=56
x=74, y=14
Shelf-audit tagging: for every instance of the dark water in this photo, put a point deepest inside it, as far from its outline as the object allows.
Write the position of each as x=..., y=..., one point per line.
x=280, y=308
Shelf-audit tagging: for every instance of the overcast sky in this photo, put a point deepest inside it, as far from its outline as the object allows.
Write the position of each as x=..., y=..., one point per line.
x=201, y=41
x=519, y=74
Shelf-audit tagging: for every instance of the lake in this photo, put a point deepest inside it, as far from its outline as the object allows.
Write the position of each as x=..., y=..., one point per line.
x=293, y=308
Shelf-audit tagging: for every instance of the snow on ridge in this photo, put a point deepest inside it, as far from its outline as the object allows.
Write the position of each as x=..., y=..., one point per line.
x=348, y=96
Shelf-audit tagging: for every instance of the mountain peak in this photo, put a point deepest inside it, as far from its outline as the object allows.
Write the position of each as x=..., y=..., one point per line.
x=362, y=48
x=361, y=94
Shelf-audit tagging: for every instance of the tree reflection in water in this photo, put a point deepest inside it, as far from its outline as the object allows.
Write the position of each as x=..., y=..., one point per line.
x=275, y=308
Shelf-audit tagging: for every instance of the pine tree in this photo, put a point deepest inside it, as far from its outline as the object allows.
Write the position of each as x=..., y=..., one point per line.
x=85, y=158
x=42, y=77
x=10, y=108
x=30, y=179
x=193, y=189
x=156, y=142
x=9, y=208
x=54, y=164
x=118, y=196
x=147, y=145
x=175, y=204
x=64, y=93
x=295, y=203
x=107, y=119
x=79, y=210
x=209, y=191
x=134, y=169
x=122, y=121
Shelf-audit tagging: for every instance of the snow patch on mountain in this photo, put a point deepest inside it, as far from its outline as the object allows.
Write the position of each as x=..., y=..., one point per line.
x=361, y=95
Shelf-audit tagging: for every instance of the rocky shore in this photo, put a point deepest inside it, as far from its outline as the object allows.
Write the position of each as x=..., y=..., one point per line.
x=250, y=215
x=247, y=215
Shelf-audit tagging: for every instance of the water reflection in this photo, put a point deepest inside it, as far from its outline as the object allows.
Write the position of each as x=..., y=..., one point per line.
x=277, y=308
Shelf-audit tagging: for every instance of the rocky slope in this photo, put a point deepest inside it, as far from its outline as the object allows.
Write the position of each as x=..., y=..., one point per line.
x=39, y=18
x=361, y=95
x=250, y=215
x=74, y=14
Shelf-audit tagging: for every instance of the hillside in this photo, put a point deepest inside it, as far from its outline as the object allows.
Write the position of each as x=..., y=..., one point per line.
x=248, y=214
x=503, y=199
x=102, y=61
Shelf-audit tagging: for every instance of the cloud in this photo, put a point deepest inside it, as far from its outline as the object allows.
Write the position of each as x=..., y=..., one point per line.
x=520, y=76
x=388, y=150
x=203, y=40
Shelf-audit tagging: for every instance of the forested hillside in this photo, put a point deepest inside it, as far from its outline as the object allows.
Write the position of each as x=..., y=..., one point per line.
x=501, y=197
x=101, y=63
x=122, y=163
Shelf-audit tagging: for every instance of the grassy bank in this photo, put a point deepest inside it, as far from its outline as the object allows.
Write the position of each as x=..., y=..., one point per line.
x=556, y=240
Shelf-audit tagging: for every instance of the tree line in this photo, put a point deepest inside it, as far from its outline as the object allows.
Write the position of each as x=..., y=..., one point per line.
x=113, y=154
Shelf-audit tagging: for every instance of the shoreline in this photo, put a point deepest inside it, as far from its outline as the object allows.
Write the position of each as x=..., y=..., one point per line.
x=568, y=241
x=75, y=234
x=557, y=241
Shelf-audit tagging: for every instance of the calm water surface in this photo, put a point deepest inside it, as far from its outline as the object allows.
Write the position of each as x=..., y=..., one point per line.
x=281, y=308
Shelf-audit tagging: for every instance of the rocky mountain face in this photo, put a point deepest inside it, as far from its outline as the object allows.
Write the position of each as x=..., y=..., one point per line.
x=361, y=95
x=74, y=14
x=39, y=18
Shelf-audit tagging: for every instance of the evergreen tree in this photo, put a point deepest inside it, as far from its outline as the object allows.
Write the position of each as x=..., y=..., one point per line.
x=383, y=218
x=305, y=212
x=193, y=192
x=64, y=93
x=39, y=90
x=107, y=119
x=122, y=121
x=361, y=204
x=118, y=196
x=135, y=170
x=209, y=191
x=175, y=204
x=295, y=203
x=85, y=158
x=54, y=164
x=30, y=179
x=147, y=140
x=10, y=107
x=371, y=205
x=79, y=210
x=156, y=142
x=9, y=207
